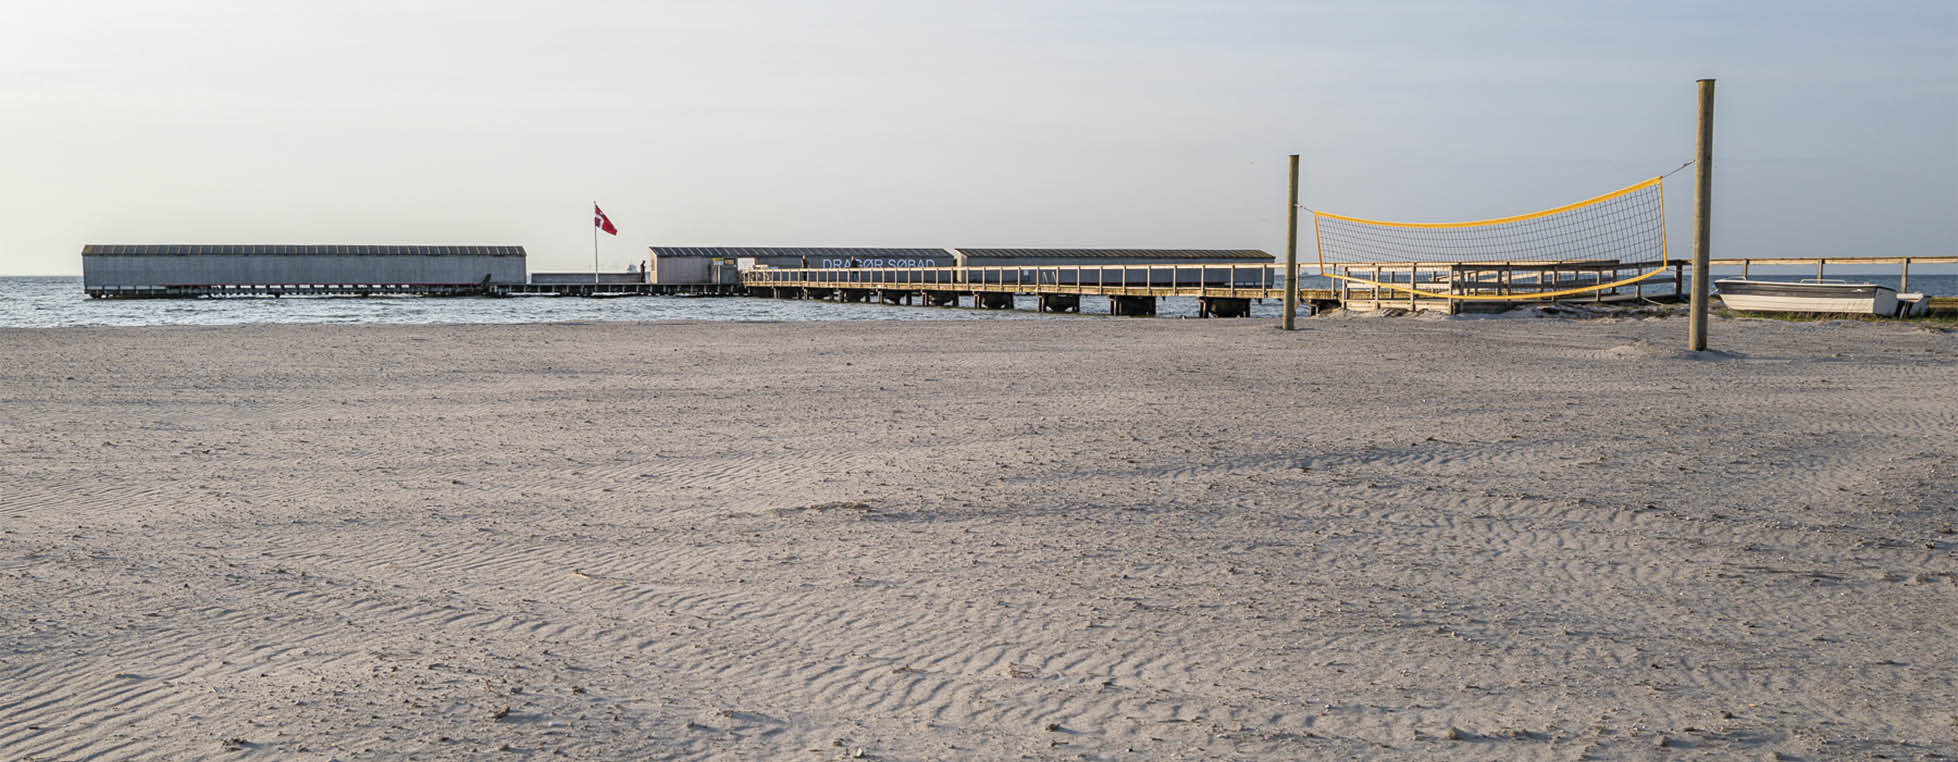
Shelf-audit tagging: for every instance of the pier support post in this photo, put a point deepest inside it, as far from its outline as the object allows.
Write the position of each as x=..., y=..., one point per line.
x=1060, y=302
x=1223, y=307
x=1139, y=306
x=1702, y=220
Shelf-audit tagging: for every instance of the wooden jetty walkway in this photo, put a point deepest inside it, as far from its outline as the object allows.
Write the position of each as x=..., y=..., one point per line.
x=1939, y=303
x=1227, y=290
x=1821, y=264
x=621, y=289
x=1221, y=290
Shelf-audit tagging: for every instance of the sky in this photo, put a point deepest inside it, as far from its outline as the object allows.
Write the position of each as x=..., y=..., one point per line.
x=1007, y=123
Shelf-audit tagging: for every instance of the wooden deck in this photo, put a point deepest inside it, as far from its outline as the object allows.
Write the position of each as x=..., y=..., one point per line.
x=1498, y=285
x=622, y=289
x=1821, y=264
x=1227, y=289
x=1221, y=289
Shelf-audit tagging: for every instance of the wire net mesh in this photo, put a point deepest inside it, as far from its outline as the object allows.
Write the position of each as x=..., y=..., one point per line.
x=1625, y=227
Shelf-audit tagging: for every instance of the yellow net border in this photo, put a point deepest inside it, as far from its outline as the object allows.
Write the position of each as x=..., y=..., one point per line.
x=1665, y=256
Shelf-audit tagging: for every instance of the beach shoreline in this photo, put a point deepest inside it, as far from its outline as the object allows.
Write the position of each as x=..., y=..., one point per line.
x=1423, y=539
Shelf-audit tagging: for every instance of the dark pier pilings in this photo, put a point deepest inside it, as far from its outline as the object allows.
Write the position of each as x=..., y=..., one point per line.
x=1223, y=307
x=1060, y=303
x=1132, y=305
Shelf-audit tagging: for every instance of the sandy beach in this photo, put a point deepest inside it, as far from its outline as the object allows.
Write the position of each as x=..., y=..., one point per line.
x=1373, y=538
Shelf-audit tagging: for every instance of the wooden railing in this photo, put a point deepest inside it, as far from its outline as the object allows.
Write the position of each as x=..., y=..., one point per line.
x=1822, y=263
x=1254, y=279
x=1262, y=281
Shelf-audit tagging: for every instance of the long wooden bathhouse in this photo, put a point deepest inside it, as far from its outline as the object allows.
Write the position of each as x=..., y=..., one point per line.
x=181, y=270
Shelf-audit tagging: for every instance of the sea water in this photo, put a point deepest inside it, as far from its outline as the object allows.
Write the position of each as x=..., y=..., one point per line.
x=39, y=302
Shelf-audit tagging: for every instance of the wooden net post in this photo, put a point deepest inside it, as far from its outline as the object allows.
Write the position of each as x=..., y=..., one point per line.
x=1292, y=250
x=1702, y=220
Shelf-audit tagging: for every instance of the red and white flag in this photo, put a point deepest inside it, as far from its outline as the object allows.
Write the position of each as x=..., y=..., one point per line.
x=601, y=222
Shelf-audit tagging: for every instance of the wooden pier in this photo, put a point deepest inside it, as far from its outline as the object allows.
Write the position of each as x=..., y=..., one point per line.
x=1221, y=290
x=1227, y=290
x=1484, y=286
x=1821, y=264
x=621, y=289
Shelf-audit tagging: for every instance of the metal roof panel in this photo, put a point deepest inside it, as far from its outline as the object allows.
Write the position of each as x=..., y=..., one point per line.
x=1124, y=254
x=792, y=251
x=180, y=249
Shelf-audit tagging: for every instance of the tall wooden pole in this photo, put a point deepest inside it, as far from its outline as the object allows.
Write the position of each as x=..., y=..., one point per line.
x=1292, y=249
x=1702, y=219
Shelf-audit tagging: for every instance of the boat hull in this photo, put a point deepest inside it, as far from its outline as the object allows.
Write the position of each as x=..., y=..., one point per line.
x=1829, y=298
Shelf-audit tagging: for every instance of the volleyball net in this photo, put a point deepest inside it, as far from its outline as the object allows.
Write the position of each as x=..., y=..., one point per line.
x=1600, y=244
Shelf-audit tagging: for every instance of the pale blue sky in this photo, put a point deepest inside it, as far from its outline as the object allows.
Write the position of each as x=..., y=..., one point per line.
x=918, y=123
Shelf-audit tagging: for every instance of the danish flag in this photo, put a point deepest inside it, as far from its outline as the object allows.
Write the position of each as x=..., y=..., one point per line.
x=599, y=220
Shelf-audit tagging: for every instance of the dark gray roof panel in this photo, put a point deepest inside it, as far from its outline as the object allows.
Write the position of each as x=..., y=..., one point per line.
x=1122, y=254
x=790, y=251
x=186, y=249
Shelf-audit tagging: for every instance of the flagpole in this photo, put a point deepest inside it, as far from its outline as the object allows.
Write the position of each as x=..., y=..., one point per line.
x=594, y=243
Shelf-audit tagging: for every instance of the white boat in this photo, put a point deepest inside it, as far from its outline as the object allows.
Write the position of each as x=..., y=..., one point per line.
x=1820, y=296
